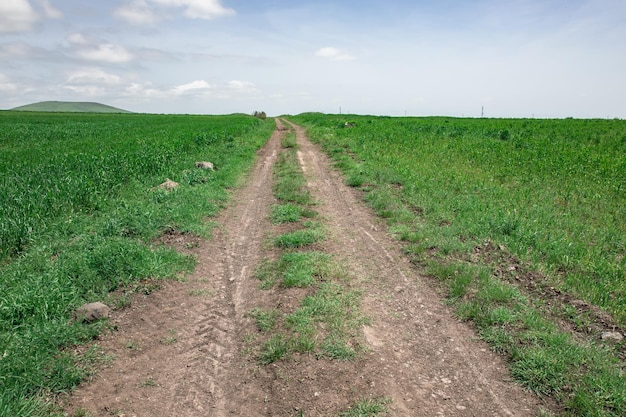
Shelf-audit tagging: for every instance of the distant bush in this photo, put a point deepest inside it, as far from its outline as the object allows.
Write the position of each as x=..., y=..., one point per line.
x=260, y=114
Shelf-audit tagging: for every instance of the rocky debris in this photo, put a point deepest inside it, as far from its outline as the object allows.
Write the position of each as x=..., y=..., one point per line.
x=205, y=165
x=168, y=185
x=92, y=312
x=615, y=336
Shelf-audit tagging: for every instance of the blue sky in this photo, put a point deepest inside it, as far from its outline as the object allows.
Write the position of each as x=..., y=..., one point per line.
x=517, y=58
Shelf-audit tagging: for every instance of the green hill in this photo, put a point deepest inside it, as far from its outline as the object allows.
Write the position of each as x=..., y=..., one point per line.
x=70, y=106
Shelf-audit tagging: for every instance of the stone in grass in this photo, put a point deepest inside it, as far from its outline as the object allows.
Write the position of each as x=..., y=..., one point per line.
x=205, y=165
x=92, y=312
x=168, y=184
x=615, y=336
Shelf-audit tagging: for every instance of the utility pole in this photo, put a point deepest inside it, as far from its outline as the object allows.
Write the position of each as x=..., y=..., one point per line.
x=482, y=111
x=339, y=109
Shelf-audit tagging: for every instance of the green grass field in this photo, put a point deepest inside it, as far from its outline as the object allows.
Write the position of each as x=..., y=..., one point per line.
x=551, y=191
x=506, y=213
x=80, y=210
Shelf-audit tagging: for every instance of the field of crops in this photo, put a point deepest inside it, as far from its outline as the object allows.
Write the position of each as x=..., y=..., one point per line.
x=522, y=221
x=551, y=191
x=79, y=209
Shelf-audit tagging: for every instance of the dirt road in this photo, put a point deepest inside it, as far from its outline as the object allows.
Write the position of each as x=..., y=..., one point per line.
x=181, y=351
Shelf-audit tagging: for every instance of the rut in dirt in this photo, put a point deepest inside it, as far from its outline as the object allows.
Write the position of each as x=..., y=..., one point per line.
x=417, y=357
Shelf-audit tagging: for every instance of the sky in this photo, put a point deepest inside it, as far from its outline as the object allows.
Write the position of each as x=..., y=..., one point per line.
x=497, y=58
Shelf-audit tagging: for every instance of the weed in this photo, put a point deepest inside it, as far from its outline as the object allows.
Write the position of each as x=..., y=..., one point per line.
x=133, y=345
x=289, y=213
x=265, y=319
x=150, y=382
x=81, y=412
x=275, y=349
x=335, y=348
x=171, y=338
x=201, y=292
x=370, y=407
x=289, y=184
x=121, y=301
x=289, y=140
x=300, y=238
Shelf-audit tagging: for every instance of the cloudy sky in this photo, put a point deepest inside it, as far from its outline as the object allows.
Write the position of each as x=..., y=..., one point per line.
x=517, y=58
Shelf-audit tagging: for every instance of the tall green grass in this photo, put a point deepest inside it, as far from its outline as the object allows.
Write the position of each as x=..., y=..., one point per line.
x=62, y=164
x=550, y=191
x=80, y=209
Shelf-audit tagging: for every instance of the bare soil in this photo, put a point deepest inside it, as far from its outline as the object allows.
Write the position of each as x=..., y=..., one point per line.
x=185, y=350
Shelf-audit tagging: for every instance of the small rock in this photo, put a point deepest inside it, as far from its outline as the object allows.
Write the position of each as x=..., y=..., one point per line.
x=205, y=165
x=612, y=336
x=92, y=312
x=168, y=184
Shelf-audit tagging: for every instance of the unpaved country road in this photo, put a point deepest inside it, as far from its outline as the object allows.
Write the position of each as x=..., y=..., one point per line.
x=181, y=351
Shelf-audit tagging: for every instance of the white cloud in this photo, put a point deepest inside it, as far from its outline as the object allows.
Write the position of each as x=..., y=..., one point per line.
x=50, y=11
x=199, y=9
x=16, y=16
x=92, y=49
x=137, y=90
x=198, y=86
x=15, y=50
x=152, y=11
x=241, y=86
x=87, y=90
x=20, y=16
x=137, y=12
x=334, y=54
x=78, y=39
x=6, y=86
x=105, y=52
x=93, y=75
x=197, y=89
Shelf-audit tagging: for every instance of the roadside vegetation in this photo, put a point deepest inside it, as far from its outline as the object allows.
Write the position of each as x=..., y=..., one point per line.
x=521, y=222
x=81, y=212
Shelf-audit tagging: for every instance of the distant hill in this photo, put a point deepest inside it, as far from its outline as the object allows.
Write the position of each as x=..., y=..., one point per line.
x=70, y=107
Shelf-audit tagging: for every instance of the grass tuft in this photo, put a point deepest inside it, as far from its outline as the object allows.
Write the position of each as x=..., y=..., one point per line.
x=370, y=407
x=300, y=238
